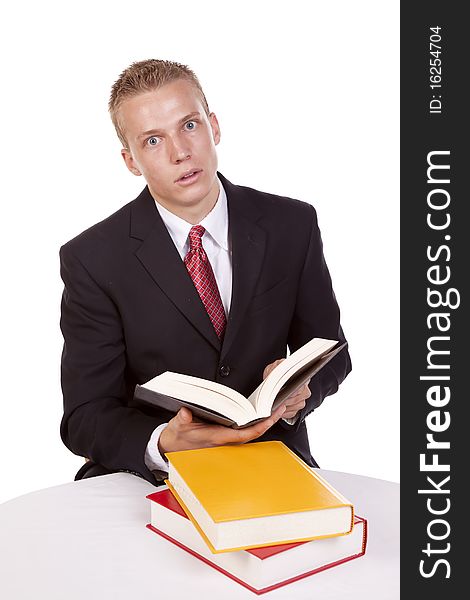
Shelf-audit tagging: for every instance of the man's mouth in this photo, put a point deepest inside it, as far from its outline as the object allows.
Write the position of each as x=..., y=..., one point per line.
x=189, y=176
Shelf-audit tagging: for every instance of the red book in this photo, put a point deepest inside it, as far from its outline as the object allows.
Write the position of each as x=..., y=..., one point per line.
x=258, y=569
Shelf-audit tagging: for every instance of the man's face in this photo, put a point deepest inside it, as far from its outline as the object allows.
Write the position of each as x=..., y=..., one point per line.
x=171, y=142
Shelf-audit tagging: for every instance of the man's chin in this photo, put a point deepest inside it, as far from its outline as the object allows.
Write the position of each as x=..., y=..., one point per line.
x=196, y=200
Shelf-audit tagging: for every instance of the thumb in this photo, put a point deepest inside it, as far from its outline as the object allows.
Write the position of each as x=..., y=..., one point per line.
x=184, y=416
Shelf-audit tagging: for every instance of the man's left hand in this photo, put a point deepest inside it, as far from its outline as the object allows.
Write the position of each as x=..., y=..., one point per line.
x=296, y=401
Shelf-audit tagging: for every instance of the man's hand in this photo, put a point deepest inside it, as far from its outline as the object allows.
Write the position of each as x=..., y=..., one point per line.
x=184, y=433
x=296, y=401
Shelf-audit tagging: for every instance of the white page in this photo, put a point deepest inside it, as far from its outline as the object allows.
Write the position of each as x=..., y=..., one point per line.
x=262, y=398
x=205, y=393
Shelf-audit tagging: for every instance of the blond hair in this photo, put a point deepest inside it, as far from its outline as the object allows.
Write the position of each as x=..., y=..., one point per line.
x=146, y=76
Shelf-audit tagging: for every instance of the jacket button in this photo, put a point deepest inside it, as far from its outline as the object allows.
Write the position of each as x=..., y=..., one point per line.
x=224, y=371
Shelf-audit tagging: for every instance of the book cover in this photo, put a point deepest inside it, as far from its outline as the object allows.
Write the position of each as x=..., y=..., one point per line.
x=232, y=494
x=258, y=569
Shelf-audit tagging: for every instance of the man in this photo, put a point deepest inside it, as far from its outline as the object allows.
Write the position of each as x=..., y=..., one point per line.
x=196, y=275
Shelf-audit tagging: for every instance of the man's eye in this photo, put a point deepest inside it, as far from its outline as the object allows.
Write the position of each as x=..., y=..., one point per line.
x=190, y=125
x=152, y=141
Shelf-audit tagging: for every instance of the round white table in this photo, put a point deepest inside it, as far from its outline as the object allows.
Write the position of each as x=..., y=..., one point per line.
x=87, y=540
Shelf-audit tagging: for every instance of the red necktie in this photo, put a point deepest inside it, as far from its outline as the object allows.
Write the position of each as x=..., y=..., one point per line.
x=201, y=273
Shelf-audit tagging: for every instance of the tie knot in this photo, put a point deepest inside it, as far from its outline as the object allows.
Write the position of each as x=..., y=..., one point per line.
x=195, y=234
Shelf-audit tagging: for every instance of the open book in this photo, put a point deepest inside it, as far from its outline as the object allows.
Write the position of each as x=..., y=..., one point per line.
x=221, y=404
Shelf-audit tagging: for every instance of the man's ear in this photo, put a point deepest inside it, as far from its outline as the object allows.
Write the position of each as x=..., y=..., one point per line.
x=130, y=162
x=215, y=128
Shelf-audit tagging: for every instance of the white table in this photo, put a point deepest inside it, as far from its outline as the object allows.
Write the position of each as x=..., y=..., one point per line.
x=87, y=540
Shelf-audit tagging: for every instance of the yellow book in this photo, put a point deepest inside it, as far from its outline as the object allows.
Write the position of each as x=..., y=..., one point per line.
x=255, y=495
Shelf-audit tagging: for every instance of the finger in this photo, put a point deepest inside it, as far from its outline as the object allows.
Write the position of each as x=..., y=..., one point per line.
x=240, y=436
x=301, y=394
x=271, y=366
x=293, y=400
x=184, y=416
x=291, y=414
x=292, y=411
x=263, y=426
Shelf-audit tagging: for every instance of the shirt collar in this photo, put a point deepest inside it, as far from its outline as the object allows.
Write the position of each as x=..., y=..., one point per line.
x=215, y=223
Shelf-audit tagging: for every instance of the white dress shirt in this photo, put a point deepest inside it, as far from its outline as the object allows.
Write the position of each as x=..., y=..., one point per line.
x=216, y=244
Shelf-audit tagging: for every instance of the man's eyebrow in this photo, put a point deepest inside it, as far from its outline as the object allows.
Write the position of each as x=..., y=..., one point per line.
x=180, y=122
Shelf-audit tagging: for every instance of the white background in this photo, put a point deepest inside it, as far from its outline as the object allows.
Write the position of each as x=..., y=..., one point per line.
x=307, y=97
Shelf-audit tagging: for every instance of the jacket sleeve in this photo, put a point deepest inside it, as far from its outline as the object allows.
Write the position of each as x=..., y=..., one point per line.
x=97, y=422
x=317, y=315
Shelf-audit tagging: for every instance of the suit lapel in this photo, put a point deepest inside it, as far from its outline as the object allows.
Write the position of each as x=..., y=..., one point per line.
x=248, y=243
x=161, y=259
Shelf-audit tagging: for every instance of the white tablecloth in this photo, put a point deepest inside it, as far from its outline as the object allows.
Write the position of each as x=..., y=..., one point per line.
x=87, y=540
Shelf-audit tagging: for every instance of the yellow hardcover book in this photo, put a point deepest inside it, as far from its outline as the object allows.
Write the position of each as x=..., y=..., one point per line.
x=256, y=494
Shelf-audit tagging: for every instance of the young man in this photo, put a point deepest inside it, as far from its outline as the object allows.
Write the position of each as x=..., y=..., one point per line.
x=196, y=275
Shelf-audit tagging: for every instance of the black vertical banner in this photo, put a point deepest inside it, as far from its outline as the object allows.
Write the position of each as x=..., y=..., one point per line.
x=435, y=268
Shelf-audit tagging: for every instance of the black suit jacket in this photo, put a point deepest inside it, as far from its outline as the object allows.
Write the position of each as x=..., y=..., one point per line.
x=130, y=311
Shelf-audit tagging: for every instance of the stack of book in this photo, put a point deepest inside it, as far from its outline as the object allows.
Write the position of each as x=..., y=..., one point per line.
x=257, y=513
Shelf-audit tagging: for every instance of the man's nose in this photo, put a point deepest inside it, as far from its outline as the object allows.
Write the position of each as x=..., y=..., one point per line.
x=178, y=150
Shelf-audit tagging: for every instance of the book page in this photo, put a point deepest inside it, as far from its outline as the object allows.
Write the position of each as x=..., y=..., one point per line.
x=205, y=393
x=264, y=395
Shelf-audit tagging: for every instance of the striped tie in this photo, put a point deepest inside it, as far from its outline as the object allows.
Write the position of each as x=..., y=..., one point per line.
x=200, y=270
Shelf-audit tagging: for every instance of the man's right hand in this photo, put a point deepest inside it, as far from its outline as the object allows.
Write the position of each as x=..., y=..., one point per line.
x=184, y=433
